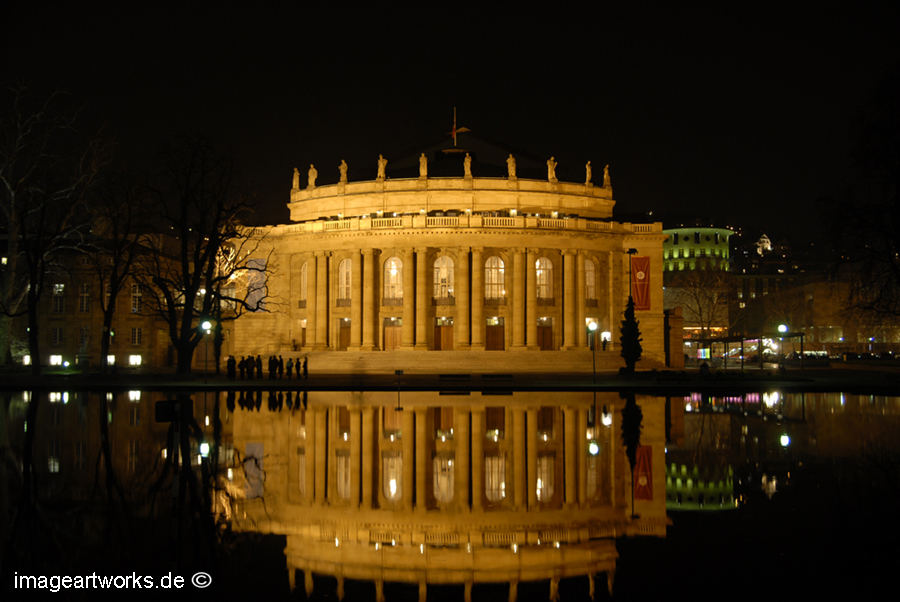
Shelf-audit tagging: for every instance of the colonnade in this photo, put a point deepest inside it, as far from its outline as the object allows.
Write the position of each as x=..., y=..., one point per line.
x=520, y=305
x=366, y=441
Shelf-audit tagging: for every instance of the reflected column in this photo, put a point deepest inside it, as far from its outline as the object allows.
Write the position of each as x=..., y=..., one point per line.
x=570, y=447
x=531, y=430
x=461, y=464
x=321, y=463
x=421, y=459
x=518, y=420
x=478, y=414
x=368, y=452
x=406, y=443
x=310, y=450
x=355, y=453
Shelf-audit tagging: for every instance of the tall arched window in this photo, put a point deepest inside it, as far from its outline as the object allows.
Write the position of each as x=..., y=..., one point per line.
x=494, y=278
x=544, y=278
x=393, y=278
x=345, y=275
x=443, y=277
x=304, y=275
x=590, y=280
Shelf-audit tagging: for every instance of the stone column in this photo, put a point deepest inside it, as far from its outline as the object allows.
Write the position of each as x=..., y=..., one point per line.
x=531, y=299
x=611, y=304
x=580, y=309
x=355, y=455
x=569, y=315
x=310, y=451
x=322, y=299
x=312, y=296
x=518, y=421
x=461, y=461
x=422, y=298
x=409, y=299
x=477, y=298
x=532, y=457
x=518, y=300
x=461, y=324
x=356, y=302
x=321, y=451
x=407, y=439
x=369, y=312
x=421, y=459
x=570, y=455
x=477, y=457
x=368, y=453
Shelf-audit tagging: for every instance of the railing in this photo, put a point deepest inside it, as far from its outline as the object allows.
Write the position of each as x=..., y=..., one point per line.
x=499, y=539
x=387, y=222
x=500, y=222
x=601, y=226
x=443, y=300
x=442, y=539
x=559, y=224
x=442, y=221
x=343, y=224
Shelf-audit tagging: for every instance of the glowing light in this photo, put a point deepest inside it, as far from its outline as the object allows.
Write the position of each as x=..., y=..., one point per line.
x=110, y=360
x=392, y=487
x=785, y=440
x=56, y=360
x=782, y=328
x=771, y=399
x=134, y=360
x=606, y=419
x=592, y=326
x=230, y=473
x=134, y=396
x=26, y=360
x=593, y=448
x=204, y=449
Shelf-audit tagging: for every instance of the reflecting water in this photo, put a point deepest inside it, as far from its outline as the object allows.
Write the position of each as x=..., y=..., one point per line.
x=360, y=494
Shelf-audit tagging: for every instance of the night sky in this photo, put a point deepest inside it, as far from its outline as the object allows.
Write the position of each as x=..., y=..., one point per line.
x=741, y=114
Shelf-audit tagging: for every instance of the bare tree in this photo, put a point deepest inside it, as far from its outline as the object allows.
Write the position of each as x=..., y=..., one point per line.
x=204, y=264
x=46, y=170
x=703, y=294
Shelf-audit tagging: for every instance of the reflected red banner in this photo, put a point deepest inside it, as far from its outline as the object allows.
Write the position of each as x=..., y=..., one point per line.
x=640, y=282
x=643, y=473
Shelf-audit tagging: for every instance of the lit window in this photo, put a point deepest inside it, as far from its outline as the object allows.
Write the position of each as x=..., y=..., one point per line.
x=26, y=360
x=110, y=360
x=590, y=283
x=134, y=360
x=56, y=360
x=53, y=456
x=544, y=278
x=134, y=396
x=59, y=298
x=494, y=278
x=345, y=276
x=393, y=278
x=443, y=277
x=301, y=465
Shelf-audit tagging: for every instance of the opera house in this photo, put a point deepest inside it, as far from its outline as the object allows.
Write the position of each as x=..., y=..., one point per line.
x=467, y=276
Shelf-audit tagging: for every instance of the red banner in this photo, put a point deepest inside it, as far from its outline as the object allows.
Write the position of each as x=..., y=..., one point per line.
x=640, y=282
x=643, y=473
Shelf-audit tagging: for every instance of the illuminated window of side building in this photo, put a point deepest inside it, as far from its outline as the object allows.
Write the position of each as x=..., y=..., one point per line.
x=56, y=360
x=59, y=298
x=134, y=360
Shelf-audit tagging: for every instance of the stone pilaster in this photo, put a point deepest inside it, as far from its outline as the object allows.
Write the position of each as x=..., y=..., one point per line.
x=461, y=274
x=356, y=302
x=477, y=298
x=409, y=300
x=518, y=299
x=369, y=316
x=322, y=258
x=423, y=303
x=569, y=315
x=531, y=299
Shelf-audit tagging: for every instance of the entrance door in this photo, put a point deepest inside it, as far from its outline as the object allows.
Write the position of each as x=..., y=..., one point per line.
x=393, y=328
x=545, y=334
x=443, y=334
x=494, y=335
x=344, y=335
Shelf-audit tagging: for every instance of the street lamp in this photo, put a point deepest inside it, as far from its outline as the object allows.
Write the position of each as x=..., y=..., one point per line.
x=592, y=328
x=206, y=326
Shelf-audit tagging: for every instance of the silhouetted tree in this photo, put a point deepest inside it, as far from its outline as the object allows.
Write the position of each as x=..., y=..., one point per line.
x=632, y=417
x=205, y=263
x=630, y=338
x=46, y=170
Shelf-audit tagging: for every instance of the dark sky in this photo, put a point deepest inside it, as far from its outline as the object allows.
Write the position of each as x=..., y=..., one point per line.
x=740, y=114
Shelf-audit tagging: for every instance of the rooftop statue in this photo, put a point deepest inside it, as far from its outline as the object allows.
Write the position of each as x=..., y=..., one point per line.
x=606, y=182
x=467, y=166
x=382, y=167
x=587, y=173
x=313, y=174
x=551, y=169
x=295, y=183
x=342, y=168
x=423, y=166
x=511, y=166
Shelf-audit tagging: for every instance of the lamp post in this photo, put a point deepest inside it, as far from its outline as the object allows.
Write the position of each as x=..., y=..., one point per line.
x=205, y=327
x=592, y=329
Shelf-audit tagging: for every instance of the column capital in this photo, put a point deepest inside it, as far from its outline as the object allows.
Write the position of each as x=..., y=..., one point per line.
x=421, y=249
x=570, y=251
x=368, y=252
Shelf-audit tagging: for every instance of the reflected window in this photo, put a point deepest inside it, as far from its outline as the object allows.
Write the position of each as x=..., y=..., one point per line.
x=301, y=471
x=495, y=477
x=393, y=278
x=443, y=478
x=443, y=278
x=544, y=488
x=53, y=456
x=392, y=473
x=494, y=278
x=495, y=422
x=134, y=449
x=342, y=474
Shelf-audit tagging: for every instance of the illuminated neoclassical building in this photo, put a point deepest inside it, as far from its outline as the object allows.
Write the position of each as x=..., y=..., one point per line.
x=430, y=489
x=456, y=273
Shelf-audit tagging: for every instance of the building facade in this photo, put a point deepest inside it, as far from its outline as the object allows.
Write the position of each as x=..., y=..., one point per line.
x=462, y=265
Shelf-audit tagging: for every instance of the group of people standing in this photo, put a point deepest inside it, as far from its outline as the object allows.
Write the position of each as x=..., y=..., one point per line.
x=252, y=367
